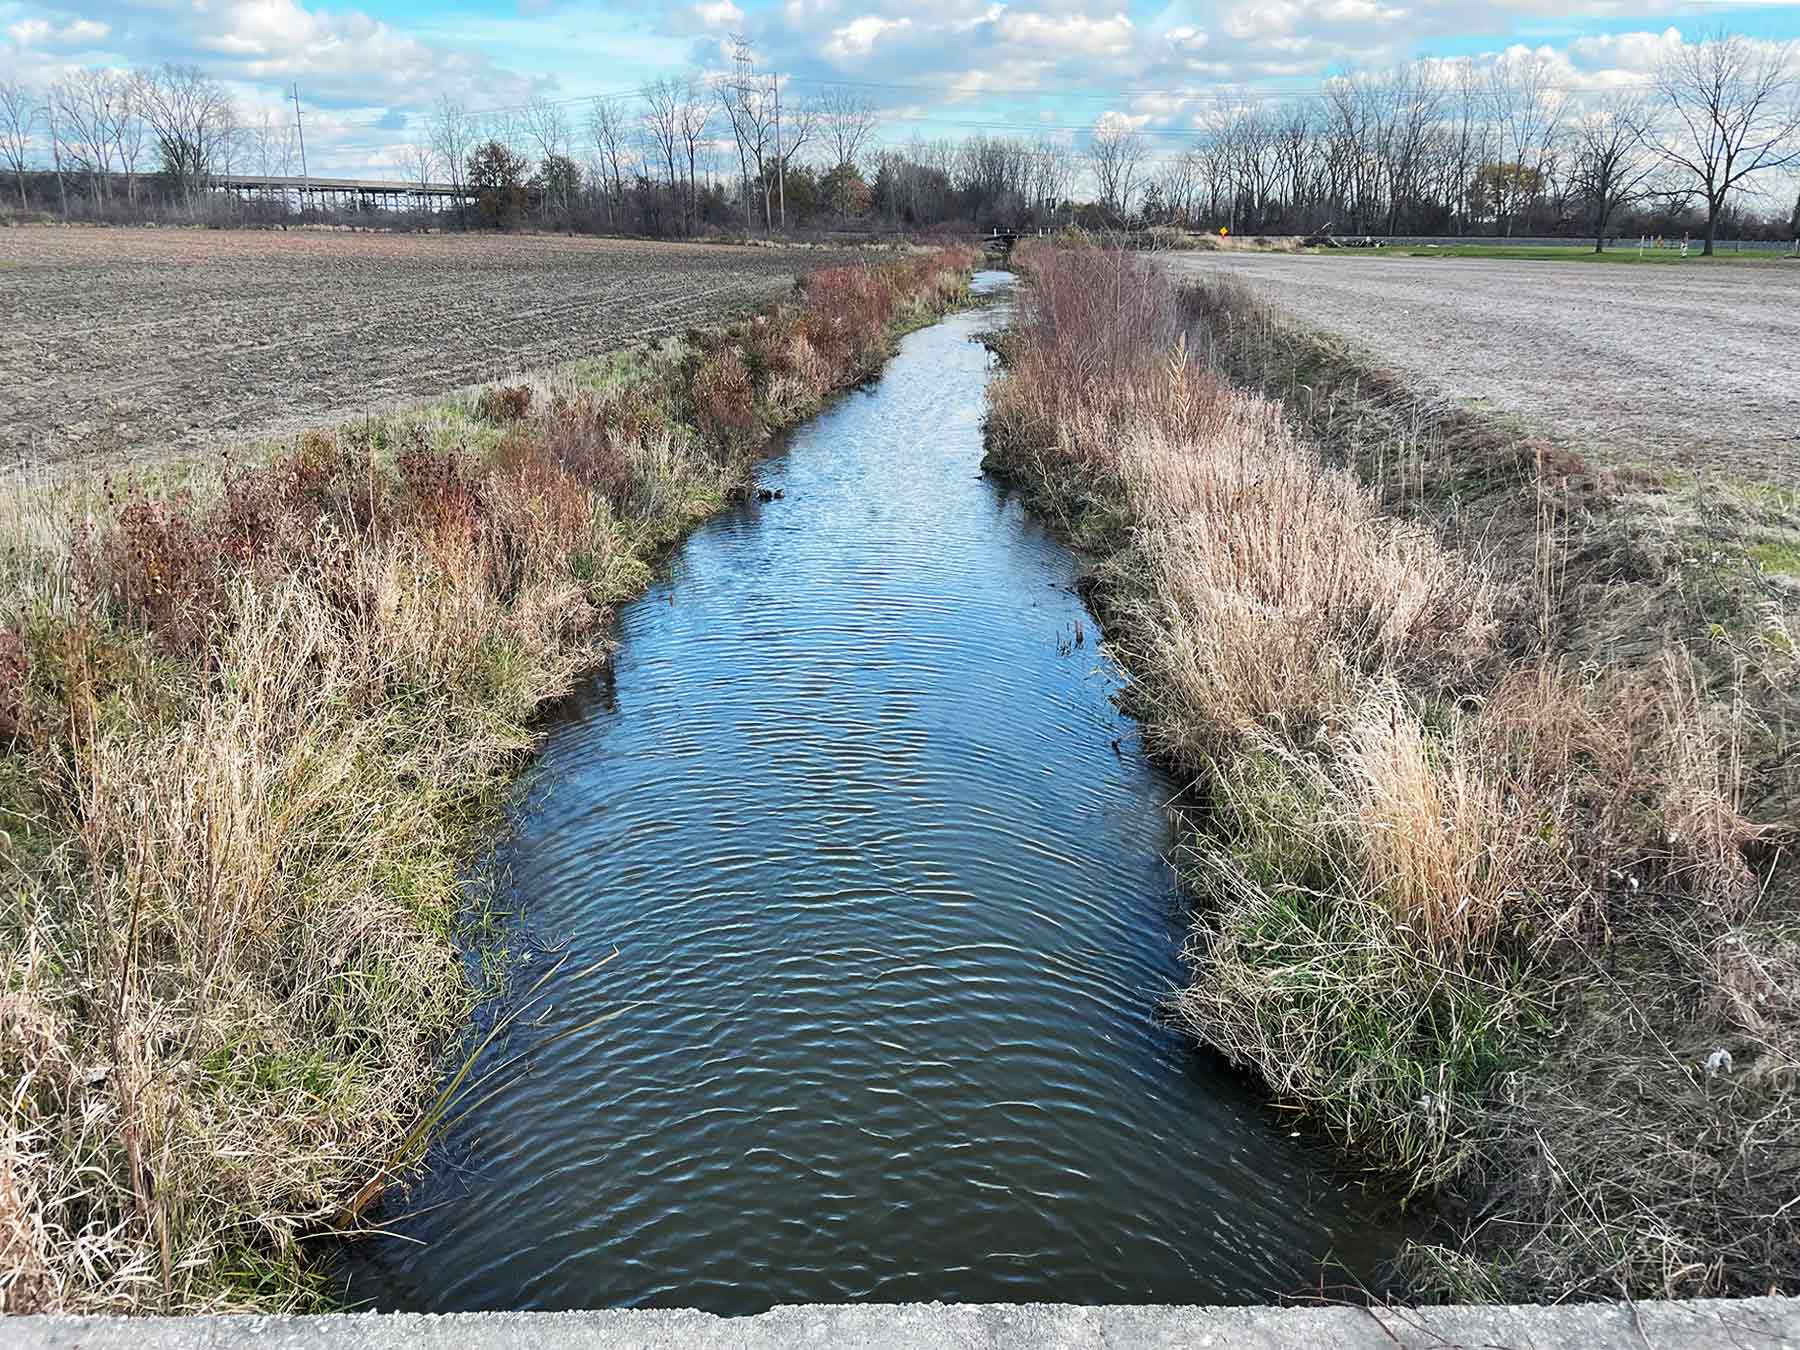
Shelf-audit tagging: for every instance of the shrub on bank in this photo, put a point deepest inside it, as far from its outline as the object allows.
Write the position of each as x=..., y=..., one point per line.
x=1420, y=835
x=254, y=731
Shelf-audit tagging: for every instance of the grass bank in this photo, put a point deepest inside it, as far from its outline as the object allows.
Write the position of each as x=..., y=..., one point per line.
x=1477, y=885
x=254, y=722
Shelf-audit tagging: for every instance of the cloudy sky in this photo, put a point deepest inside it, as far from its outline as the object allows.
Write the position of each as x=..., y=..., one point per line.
x=368, y=69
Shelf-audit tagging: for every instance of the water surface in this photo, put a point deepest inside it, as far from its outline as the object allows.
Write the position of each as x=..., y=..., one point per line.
x=883, y=864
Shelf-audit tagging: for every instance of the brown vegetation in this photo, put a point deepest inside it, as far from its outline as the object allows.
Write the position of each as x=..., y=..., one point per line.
x=1482, y=910
x=253, y=731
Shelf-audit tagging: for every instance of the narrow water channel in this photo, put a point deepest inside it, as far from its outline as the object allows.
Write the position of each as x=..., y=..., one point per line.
x=884, y=867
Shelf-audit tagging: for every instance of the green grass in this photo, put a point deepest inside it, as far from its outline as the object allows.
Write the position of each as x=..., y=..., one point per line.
x=1777, y=555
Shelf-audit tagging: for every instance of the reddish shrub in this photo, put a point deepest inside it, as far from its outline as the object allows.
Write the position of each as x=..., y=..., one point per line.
x=504, y=403
x=15, y=669
x=847, y=310
x=439, y=493
x=724, y=399
x=537, y=514
x=157, y=566
x=631, y=413
x=589, y=441
x=324, y=477
x=768, y=346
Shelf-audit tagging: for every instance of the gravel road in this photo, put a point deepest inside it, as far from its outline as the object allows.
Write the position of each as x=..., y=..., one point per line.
x=1669, y=364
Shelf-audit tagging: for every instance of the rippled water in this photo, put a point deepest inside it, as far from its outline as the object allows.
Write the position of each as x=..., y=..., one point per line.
x=883, y=865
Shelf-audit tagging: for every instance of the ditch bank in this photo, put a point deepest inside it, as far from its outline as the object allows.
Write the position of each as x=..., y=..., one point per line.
x=1488, y=916
x=256, y=720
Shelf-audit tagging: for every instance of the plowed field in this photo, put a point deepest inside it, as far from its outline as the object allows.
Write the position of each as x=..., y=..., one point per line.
x=133, y=343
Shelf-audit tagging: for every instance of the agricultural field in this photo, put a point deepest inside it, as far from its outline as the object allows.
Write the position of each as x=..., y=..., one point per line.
x=1684, y=367
x=126, y=344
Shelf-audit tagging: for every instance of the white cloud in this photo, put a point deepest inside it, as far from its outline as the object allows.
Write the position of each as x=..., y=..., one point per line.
x=43, y=33
x=1268, y=18
x=1113, y=123
x=719, y=14
x=1625, y=51
x=857, y=38
x=1067, y=32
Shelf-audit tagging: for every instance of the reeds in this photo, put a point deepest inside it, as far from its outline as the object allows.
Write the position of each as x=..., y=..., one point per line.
x=255, y=728
x=1418, y=824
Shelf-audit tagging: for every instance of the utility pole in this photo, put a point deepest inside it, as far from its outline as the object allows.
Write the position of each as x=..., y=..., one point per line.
x=780, y=161
x=299, y=128
x=743, y=69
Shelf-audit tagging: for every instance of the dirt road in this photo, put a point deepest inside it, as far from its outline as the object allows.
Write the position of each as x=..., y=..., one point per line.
x=1668, y=365
x=123, y=344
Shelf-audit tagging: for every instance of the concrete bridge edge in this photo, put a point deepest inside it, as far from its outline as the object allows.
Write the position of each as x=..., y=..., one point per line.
x=1748, y=1324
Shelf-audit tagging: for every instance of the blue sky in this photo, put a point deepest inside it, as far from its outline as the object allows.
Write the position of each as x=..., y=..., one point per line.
x=368, y=69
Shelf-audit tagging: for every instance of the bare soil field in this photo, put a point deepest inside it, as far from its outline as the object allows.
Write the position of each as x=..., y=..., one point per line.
x=122, y=344
x=1686, y=367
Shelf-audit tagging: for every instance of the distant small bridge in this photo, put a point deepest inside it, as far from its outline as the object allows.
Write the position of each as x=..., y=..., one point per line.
x=342, y=192
x=1002, y=241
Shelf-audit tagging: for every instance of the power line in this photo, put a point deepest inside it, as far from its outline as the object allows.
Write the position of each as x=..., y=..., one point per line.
x=301, y=132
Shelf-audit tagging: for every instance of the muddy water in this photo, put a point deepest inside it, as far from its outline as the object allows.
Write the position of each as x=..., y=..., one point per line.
x=883, y=865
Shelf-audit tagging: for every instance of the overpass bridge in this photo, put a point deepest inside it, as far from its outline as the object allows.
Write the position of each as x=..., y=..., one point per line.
x=345, y=193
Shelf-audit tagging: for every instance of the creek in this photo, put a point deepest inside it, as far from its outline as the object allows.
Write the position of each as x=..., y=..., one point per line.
x=884, y=864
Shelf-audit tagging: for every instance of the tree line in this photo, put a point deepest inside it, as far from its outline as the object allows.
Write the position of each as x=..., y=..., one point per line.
x=1430, y=148
x=1457, y=148
x=118, y=143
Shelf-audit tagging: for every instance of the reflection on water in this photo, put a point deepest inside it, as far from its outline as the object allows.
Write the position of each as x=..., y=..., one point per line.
x=883, y=864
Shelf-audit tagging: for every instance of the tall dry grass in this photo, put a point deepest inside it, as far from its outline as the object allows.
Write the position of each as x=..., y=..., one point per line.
x=1417, y=825
x=254, y=729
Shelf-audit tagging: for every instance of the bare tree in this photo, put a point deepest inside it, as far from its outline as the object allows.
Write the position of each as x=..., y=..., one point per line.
x=53, y=126
x=693, y=115
x=662, y=122
x=547, y=128
x=1736, y=113
x=421, y=162
x=749, y=101
x=1469, y=134
x=1294, y=147
x=1613, y=164
x=1250, y=145
x=20, y=107
x=264, y=137
x=87, y=102
x=1052, y=173
x=1410, y=101
x=1350, y=160
x=452, y=134
x=793, y=133
x=1116, y=153
x=187, y=114
x=129, y=129
x=229, y=138
x=608, y=129
x=730, y=92
x=1528, y=110
x=847, y=119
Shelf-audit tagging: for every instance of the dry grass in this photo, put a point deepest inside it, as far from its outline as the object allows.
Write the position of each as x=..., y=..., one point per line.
x=1432, y=848
x=256, y=725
